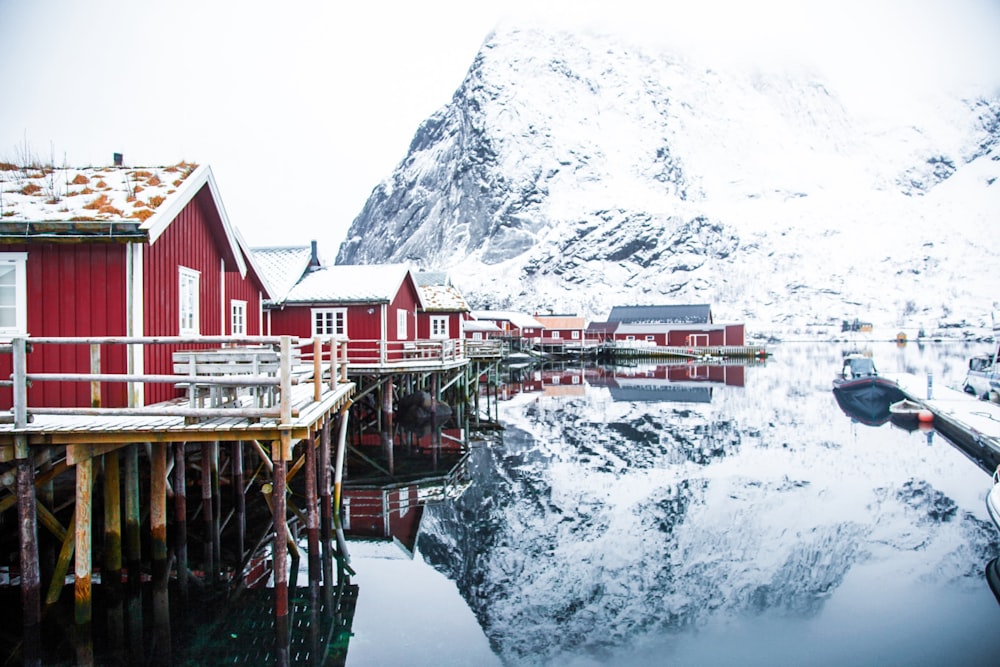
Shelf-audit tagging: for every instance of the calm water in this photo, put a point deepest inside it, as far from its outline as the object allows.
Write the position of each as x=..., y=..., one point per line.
x=639, y=521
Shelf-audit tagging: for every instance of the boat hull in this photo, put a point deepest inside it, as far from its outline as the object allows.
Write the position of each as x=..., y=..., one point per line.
x=993, y=504
x=867, y=399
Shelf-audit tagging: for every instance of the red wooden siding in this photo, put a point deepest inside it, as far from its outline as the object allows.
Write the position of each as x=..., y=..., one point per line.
x=72, y=290
x=193, y=240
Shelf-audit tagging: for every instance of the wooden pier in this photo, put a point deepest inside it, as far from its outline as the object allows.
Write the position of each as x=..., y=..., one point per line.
x=964, y=419
x=624, y=350
x=287, y=417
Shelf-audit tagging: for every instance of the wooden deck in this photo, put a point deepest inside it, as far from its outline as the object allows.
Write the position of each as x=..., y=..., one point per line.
x=958, y=415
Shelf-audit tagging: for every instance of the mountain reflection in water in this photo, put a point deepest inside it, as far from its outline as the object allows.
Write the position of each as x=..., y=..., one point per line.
x=760, y=526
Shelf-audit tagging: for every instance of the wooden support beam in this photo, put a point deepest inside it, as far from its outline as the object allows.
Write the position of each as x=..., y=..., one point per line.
x=82, y=593
x=158, y=533
x=312, y=512
x=180, y=517
x=208, y=512
x=28, y=551
x=112, y=520
x=282, y=627
x=239, y=497
x=62, y=564
x=133, y=507
x=326, y=508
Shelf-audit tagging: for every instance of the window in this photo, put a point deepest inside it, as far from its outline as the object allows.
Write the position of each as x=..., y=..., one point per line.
x=401, y=324
x=575, y=335
x=439, y=327
x=477, y=336
x=189, y=281
x=239, y=318
x=13, y=293
x=329, y=322
x=651, y=339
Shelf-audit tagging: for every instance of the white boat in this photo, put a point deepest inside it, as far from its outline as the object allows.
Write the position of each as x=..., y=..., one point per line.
x=983, y=377
x=993, y=499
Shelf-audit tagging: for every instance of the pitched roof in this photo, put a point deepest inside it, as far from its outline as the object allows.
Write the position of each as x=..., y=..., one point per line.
x=561, y=322
x=282, y=267
x=688, y=314
x=438, y=294
x=106, y=203
x=520, y=320
x=350, y=284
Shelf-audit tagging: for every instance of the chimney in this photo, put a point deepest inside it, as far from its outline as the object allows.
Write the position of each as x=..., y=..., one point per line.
x=119, y=159
x=314, y=260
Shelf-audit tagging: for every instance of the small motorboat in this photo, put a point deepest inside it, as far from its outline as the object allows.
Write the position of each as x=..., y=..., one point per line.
x=983, y=377
x=862, y=394
x=911, y=411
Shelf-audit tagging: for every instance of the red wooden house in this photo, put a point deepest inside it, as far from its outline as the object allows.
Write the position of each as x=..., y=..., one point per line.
x=677, y=326
x=374, y=306
x=561, y=331
x=444, y=311
x=118, y=251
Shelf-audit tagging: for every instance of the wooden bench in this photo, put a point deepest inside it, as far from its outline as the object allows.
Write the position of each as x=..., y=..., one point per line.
x=251, y=362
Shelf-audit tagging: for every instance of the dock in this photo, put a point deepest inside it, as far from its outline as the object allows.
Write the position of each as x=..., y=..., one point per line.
x=962, y=418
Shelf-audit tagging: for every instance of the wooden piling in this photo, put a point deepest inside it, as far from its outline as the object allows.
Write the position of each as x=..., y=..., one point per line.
x=83, y=564
x=312, y=511
x=325, y=505
x=133, y=508
x=239, y=498
x=158, y=533
x=282, y=626
x=180, y=517
x=207, y=512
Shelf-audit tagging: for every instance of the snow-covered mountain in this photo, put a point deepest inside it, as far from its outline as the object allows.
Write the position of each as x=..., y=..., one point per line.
x=572, y=172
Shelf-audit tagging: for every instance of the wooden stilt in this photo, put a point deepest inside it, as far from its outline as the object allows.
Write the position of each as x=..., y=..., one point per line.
x=180, y=517
x=27, y=518
x=158, y=530
x=239, y=499
x=326, y=508
x=112, y=521
x=83, y=567
x=281, y=621
x=133, y=505
x=207, y=512
x=312, y=512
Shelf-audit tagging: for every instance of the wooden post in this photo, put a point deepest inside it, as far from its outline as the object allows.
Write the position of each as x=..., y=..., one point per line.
x=112, y=575
x=239, y=499
x=317, y=369
x=158, y=530
x=133, y=508
x=282, y=628
x=338, y=476
x=83, y=566
x=326, y=507
x=180, y=517
x=312, y=512
x=207, y=512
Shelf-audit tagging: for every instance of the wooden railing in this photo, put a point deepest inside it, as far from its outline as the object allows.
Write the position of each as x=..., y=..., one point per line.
x=265, y=367
x=381, y=352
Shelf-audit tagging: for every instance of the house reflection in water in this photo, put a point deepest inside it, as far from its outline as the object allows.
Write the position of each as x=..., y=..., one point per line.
x=390, y=507
x=687, y=383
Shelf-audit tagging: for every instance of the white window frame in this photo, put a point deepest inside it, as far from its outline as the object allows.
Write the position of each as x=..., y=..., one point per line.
x=329, y=322
x=401, y=317
x=237, y=318
x=575, y=335
x=189, y=301
x=17, y=260
x=439, y=327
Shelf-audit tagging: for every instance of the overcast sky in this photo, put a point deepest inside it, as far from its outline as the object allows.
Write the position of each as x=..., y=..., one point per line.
x=302, y=107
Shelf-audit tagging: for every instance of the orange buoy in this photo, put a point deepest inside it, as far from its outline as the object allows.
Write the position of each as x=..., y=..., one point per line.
x=925, y=416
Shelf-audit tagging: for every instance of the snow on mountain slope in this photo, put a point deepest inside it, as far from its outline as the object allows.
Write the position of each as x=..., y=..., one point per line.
x=573, y=172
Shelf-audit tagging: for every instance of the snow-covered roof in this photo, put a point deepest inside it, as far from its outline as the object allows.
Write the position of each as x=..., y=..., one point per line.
x=65, y=202
x=685, y=314
x=282, y=267
x=520, y=320
x=349, y=283
x=561, y=321
x=438, y=294
x=484, y=326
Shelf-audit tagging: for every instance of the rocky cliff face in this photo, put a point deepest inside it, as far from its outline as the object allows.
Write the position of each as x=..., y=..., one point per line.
x=574, y=172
